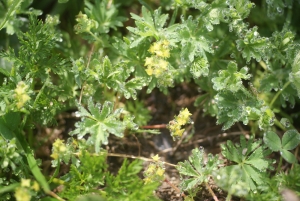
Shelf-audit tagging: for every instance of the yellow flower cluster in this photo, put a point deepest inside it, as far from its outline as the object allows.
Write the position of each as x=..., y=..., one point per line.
x=156, y=64
x=180, y=120
x=21, y=94
x=155, y=171
x=58, y=148
x=22, y=193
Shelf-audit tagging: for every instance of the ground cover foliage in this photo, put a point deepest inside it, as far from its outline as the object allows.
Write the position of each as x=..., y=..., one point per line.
x=101, y=61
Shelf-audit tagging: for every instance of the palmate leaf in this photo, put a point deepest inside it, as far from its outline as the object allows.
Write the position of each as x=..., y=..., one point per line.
x=100, y=121
x=193, y=42
x=252, y=45
x=230, y=79
x=250, y=157
x=106, y=15
x=196, y=169
x=115, y=77
x=149, y=25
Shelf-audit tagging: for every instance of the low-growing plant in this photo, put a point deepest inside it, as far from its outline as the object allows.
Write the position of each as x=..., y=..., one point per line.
x=244, y=56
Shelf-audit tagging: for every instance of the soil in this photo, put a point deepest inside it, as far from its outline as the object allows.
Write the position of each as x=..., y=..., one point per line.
x=203, y=133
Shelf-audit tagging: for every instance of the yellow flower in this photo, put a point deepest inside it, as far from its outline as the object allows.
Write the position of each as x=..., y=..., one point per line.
x=22, y=194
x=165, y=53
x=147, y=180
x=21, y=94
x=151, y=168
x=159, y=53
x=156, y=158
x=58, y=148
x=25, y=182
x=183, y=117
x=149, y=61
x=154, y=48
x=160, y=172
x=163, y=64
x=157, y=72
x=178, y=133
x=35, y=186
x=54, y=156
x=149, y=71
x=165, y=43
x=186, y=113
x=173, y=126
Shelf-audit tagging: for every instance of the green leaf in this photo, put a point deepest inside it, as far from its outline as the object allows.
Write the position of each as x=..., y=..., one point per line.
x=252, y=45
x=250, y=156
x=240, y=106
x=99, y=122
x=290, y=139
x=11, y=124
x=90, y=197
x=288, y=156
x=229, y=179
x=272, y=140
x=193, y=42
x=295, y=74
x=196, y=168
x=63, y=1
x=105, y=14
x=12, y=8
x=230, y=79
x=200, y=67
x=145, y=26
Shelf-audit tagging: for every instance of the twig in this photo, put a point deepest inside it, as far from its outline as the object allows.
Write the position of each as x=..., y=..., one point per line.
x=174, y=187
x=139, y=144
x=158, y=126
x=55, y=196
x=211, y=191
x=241, y=129
x=130, y=156
x=138, y=157
x=87, y=66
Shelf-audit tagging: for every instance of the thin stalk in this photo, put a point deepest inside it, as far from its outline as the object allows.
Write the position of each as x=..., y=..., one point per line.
x=40, y=92
x=228, y=198
x=130, y=156
x=278, y=93
x=277, y=123
x=87, y=66
x=279, y=165
x=96, y=38
x=55, y=196
x=55, y=173
x=211, y=191
x=174, y=187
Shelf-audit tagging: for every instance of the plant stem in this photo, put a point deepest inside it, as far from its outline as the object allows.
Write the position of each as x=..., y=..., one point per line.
x=278, y=93
x=130, y=156
x=279, y=165
x=55, y=196
x=40, y=92
x=228, y=198
x=154, y=126
x=211, y=191
x=175, y=188
x=277, y=123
